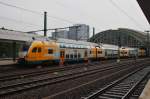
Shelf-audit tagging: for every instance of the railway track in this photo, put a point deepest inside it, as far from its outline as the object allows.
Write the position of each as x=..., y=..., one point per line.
x=34, y=72
x=7, y=68
x=18, y=73
x=84, y=89
x=127, y=87
x=24, y=86
x=8, y=89
x=139, y=88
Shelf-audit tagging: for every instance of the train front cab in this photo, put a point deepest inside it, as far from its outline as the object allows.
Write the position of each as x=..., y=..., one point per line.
x=42, y=52
x=95, y=54
x=124, y=53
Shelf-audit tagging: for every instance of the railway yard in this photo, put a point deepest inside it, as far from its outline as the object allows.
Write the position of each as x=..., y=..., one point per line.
x=75, y=49
x=96, y=80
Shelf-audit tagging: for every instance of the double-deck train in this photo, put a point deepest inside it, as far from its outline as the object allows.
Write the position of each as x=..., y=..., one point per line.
x=70, y=51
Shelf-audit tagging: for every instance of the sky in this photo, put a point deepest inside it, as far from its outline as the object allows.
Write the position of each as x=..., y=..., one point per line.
x=101, y=14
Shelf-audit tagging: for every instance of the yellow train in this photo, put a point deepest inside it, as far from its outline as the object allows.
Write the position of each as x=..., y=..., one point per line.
x=71, y=51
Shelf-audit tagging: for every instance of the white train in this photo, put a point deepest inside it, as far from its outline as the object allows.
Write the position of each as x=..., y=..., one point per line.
x=71, y=51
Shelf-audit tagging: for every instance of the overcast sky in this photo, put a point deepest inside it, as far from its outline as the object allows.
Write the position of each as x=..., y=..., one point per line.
x=101, y=14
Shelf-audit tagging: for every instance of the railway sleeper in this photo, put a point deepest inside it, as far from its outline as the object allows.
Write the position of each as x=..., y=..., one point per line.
x=103, y=97
x=115, y=93
x=123, y=87
x=118, y=91
x=112, y=95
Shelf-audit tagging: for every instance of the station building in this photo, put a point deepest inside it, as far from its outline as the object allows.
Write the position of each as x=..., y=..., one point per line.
x=123, y=37
x=11, y=41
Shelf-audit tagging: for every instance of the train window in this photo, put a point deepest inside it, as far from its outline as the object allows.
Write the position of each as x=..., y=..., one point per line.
x=85, y=54
x=34, y=50
x=99, y=52
x=79, y=55
x=50, y=51
x=71, y=56
x=106, y=53
x=67, y=56
x=61, y=46
x=90, y=52
x=75, y=56
x=39, y=49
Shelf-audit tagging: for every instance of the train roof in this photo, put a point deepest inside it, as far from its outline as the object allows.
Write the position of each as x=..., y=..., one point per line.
x=64, y=43
x=84, y=43
x=68, y=41
x=109, y=46
x=128, y=48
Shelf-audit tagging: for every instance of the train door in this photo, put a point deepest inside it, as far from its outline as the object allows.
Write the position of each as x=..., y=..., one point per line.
x=62, y=57
x=75, y=55
x=86, y=56
x=39, y=53
x=99, y=53
x=96, y=52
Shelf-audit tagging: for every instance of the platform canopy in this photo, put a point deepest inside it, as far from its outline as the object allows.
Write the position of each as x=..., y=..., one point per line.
x=18, y=36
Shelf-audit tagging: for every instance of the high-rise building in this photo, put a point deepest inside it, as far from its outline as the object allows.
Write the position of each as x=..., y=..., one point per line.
x=76, y=32
x=79, y=32
x=60, y=34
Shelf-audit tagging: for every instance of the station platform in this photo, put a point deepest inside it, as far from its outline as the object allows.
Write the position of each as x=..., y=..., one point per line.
x=146, y=92
x=7, y=62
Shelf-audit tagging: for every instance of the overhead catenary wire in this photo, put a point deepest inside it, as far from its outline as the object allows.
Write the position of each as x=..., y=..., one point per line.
x=125, y=13
x=65, y=20
x=17, y=21
x=36, y=12
x=53, y=29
